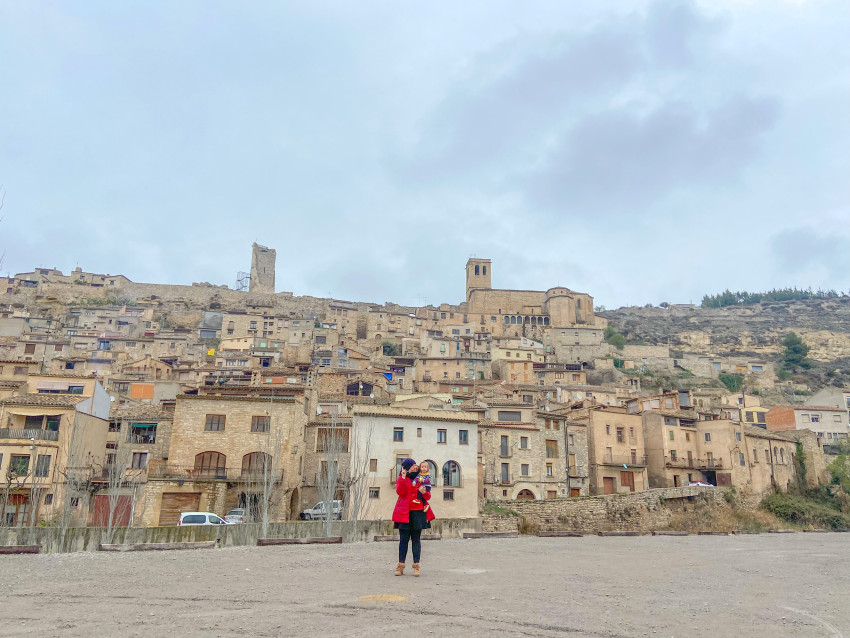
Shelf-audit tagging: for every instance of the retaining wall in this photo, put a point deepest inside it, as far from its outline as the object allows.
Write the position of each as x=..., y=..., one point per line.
x=638, y=511
x=87, y=539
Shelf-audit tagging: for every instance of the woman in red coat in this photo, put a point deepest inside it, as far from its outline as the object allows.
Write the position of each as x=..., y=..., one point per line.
x=409, y=516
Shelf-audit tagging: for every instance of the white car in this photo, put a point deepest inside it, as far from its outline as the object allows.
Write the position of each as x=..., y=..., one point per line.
x=200, y=518
x=317, y=512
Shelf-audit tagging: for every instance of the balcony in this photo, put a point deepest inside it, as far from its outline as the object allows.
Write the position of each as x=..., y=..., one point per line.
x=692, y=463
x=189, y=473
x=37, y=434
x=623, y=459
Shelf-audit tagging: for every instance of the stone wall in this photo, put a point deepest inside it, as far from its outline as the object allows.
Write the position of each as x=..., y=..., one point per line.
x=87, y=539
x=499, y=523
x=638, y=511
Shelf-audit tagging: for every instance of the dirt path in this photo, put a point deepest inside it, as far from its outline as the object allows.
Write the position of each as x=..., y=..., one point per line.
x=747, y=586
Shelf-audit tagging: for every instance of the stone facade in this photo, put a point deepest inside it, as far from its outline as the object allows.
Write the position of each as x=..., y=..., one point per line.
x=639, y=511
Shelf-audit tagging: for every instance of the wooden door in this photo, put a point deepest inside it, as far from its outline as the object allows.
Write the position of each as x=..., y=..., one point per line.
x=575, y=492
x=120, y=516
x=627, y=479
x=173, y=503
x=607, y=484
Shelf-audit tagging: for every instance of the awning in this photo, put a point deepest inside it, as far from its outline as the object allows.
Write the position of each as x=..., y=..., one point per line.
x=52, y=385
x=143, y=425
x=36, y=410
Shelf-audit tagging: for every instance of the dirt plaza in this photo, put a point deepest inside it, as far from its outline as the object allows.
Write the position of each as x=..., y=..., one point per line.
x=758, y=585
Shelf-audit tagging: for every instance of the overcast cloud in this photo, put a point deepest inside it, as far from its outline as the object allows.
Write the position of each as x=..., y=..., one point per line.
x=638, y=151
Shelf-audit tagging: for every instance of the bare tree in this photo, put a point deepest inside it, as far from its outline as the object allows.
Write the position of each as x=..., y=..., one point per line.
x=334, y=446
x=118, y=480
x=75, y=486
x=264, y=473
x=358, y=504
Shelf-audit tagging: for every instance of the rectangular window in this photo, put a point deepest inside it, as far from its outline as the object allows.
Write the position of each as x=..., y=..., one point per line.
x=374, y=492
x=523, y=442
x=463, y=437
x=607, y=429
x=621, y=435
x=672, y=435
x=738, y=436
x=332, y=440
x=549, y=469
x=214, y=423
x=48, y=499
x=672, y=455
x=42, y=465
x=741, y=458
x=140, y=460
x=260, y=423
x=755, y=456
x=551, y=449
x=441, y=436
x=398, y=434
x=708, y=437
x=448, y=495
x=524, y=469
x=504, y=446
x=19, y=464
x=510, y=415
x=373, y=465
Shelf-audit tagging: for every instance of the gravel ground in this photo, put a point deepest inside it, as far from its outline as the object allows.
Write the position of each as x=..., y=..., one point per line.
x=767, y=585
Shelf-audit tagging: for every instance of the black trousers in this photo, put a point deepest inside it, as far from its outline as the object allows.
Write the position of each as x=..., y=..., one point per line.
x=412, y=536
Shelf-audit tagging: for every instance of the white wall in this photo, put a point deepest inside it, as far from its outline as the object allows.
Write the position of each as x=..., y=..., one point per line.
x=378, y=431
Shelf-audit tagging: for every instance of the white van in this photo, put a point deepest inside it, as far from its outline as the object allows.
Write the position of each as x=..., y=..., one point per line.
x=200, y=518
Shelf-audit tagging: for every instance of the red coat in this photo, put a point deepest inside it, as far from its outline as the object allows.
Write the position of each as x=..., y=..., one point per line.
x=406, y=493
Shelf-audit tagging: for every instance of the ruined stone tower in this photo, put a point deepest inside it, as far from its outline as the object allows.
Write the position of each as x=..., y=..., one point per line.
x=262, y=269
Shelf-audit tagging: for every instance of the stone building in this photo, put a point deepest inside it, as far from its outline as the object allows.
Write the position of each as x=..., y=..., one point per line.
x=262, y=269
x=523, y=453
x=615, y=447
x=221, y=446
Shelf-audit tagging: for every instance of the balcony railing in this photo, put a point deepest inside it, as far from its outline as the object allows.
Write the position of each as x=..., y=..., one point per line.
x=145, y=439
x=623, y=459
x=699, y=464
x=189, y=473
x=37, y=434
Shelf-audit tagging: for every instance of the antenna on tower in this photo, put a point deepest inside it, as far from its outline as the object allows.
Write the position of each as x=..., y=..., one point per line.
x=243, y=280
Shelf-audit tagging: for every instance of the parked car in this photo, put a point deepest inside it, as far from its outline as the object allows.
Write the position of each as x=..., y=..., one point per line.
x=200, y=518
x=700, y=484
x=236, y=515
x=317, y=512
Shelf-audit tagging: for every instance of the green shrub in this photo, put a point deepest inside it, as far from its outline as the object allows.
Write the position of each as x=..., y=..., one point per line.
x=801, y=510
x=733, y=382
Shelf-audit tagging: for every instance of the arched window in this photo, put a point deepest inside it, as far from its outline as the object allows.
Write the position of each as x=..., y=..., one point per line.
x=527, y=320
x=545, y=321
x=476, y=270
x=781, y=455
x=256, y=463
x=484, y=269
x=451, y=474
x=211, y=464
x=507, y=319
x=513, y=319
x=775, y=453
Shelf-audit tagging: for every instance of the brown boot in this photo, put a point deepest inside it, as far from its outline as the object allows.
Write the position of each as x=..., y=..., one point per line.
x=399, y=569
x=416, y=569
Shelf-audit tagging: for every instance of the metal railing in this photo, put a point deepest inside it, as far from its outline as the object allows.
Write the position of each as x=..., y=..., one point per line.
x=693, y=463
x=146, y=439
x=623, y=459
x=190, y=473
x=37, y=434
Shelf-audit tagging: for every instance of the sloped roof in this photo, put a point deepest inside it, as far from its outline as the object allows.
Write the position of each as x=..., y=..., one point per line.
x=47, y=400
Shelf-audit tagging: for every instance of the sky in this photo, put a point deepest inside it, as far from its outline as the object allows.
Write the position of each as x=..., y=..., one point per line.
x=640, y=152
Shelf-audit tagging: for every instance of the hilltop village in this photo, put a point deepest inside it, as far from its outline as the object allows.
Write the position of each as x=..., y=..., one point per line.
x=142, y=401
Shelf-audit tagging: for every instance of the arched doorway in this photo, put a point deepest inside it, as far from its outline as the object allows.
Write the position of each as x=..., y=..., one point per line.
x=525, y=495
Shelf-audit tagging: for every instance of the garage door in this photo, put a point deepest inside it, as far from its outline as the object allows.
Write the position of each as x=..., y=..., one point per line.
x=175, y=502
x=120, y=515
